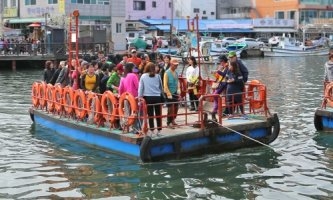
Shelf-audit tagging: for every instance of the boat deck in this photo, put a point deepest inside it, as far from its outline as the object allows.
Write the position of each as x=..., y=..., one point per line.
x=188, y=122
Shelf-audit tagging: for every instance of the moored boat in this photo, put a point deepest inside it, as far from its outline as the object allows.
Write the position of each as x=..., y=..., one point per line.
x=290, y=47
x=95, y=118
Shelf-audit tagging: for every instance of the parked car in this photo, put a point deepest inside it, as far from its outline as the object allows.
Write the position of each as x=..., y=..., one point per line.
x=262, y=39
x=251, y=43
x=228, y=40
x=274, y=41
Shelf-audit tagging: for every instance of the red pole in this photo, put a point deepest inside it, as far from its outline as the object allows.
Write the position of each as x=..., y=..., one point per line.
x=198, y=46
x=70, y=43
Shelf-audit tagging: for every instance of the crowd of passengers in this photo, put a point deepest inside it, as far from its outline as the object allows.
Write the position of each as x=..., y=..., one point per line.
x=156, y=82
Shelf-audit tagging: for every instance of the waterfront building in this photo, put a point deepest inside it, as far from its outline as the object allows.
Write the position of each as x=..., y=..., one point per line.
x=148, y=9
x=204, y=9
x=235, y=9
x=96, y=17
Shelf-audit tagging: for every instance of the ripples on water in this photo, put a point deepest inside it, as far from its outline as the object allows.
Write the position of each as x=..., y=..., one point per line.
x=37, y=163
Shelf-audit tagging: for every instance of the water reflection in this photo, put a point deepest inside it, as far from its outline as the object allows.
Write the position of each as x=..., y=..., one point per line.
x=38, y=163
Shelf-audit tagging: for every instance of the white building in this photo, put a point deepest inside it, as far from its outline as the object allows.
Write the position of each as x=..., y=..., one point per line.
x=206, y=9
x=95, y=15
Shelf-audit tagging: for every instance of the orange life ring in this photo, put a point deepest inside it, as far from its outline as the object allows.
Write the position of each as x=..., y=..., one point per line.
x=256, y=101
x=68, y=99
x=35, y=94
x=50, y=97
x=42, y=94
x=94, y=106
x=328, y=94
x=133, y=106
x=80, y=104
x=58, y=97
x=110, y=112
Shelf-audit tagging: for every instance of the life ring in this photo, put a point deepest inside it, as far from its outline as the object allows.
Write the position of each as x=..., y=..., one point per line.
x=50, y=97
x=42, y=95
x=133, y=106
x=93, y=106
x=57, y=98
x=256, y=101
x=109, y=106
x=68, y=99
x=328, y=94
x=35, y=94
x=80, y=104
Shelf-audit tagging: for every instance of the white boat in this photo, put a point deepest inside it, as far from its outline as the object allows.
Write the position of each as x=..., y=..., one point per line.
x=209, y=51
x=290, y=47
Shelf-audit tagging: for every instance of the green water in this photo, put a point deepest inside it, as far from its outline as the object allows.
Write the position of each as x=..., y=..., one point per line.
x=36, y=163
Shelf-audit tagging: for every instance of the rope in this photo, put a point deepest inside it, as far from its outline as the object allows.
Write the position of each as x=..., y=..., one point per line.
x=244, y=135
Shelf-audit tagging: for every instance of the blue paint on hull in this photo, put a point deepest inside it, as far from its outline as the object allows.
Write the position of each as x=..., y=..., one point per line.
x=327, y=122
x=90, y=138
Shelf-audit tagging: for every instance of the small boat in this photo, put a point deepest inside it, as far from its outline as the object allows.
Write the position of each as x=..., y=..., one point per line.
x=209, y=51
x=92, y=118
x=120, y=123
x=169, y=51
x=239, y=48
x=323, y=118
x=290, y=47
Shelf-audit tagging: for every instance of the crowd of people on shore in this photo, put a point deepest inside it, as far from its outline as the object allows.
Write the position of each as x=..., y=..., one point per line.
x=20, y=46
x=156, y=82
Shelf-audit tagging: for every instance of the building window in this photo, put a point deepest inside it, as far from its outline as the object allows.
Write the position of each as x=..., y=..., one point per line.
x=118, y=27
x=5, y=4
x=139, y=5
x=30, y=2
x=53, y=1
x=212, y=13
x=153, y=4
x=279, y=15
x=196, y=10
x=204, y=12
x=80, y=1
x=163, y=17
x=13, y=3
x=170, y=4
x=291, y=14
x=204, y=17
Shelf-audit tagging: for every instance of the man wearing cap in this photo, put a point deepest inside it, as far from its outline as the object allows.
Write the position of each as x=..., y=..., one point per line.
x=233, y=58
x=170, y=84
x=134, y=59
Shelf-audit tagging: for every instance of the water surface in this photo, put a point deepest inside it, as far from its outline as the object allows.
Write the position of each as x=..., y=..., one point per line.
x=38, y=163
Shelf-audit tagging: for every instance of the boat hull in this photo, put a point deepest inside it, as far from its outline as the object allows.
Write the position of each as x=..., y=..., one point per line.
x=323, y=119
x=280, y=52
x=212, y=139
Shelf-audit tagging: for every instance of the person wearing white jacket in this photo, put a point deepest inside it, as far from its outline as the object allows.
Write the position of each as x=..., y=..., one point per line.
x=329, y=69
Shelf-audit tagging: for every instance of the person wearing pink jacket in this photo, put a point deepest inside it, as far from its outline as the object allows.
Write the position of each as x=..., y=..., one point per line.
x=130, y=82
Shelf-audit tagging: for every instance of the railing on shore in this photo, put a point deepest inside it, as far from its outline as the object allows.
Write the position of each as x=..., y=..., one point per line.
x=58, y=50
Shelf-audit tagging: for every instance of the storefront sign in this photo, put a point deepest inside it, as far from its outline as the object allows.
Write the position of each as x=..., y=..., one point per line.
x=10, y=12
